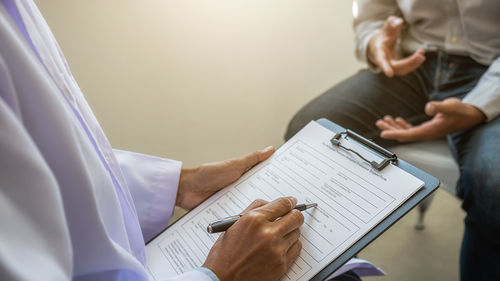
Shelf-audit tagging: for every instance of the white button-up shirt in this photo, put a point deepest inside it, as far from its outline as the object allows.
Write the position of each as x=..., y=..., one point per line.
x=462, y=27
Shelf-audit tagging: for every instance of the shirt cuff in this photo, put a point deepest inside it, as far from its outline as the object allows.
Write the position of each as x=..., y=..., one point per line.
x=486, y=97
x=363, y=54
x=209, y=273
x=197, y=274
x=364, y=32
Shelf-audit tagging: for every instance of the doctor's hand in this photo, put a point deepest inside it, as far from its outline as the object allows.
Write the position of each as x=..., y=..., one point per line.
x=382, y=50
x=198, y=183
x=449, y=116
x=259, y=246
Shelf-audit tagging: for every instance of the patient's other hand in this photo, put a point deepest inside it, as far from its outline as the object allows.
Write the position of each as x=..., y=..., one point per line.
x=450, y=115
x=382, y=50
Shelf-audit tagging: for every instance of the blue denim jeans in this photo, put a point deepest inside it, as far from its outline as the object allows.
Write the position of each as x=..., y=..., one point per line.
x=365, y=97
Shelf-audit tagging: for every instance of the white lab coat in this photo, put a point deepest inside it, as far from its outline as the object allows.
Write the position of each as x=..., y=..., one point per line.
x=71, y=207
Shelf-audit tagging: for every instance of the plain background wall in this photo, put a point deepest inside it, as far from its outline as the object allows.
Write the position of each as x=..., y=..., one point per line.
x=200, y=80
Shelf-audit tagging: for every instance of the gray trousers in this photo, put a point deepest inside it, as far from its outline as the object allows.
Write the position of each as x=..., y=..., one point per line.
x=359, y=101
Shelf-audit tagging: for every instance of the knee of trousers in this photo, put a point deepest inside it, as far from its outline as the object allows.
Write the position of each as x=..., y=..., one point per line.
x=304, y=116
x=299, y=120
x=479, y=187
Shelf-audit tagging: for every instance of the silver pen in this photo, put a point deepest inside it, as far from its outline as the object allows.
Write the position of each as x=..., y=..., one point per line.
x=225, y=223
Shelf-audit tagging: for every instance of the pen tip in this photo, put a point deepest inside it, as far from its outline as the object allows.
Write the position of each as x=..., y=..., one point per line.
x=312, y=205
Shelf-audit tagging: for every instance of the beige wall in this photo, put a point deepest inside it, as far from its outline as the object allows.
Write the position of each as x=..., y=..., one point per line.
x=201, y=80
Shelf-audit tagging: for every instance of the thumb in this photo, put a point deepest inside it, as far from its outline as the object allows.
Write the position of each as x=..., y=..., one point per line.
x=255, y=204
x=409, y=64
x=392, y=26
x=264, y=154
x=278, y=207
x=248, y=161
x=447, y=106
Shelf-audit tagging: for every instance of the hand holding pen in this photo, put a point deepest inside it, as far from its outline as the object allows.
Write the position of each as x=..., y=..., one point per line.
x=259, y=244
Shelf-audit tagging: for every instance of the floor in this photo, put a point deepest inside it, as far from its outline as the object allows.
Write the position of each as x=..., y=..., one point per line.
x=405, y=253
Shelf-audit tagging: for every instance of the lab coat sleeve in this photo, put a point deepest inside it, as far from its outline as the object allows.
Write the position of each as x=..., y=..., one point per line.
x=153, y=184
x=34, y=238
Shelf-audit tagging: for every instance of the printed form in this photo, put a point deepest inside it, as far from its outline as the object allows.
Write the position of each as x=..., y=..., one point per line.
x=352, y=199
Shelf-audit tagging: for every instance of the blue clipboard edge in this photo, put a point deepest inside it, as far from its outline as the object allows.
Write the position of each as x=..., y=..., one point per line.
x=431, y=184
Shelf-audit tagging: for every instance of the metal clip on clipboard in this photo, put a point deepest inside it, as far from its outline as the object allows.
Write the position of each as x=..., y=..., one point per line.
x=388, y=156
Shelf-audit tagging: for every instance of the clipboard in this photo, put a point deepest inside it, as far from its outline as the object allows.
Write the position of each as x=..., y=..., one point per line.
x=430, y=185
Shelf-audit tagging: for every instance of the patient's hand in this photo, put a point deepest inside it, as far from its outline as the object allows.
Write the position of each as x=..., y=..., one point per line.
x=450, y=115
x=197, y=184
x=382, y=50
